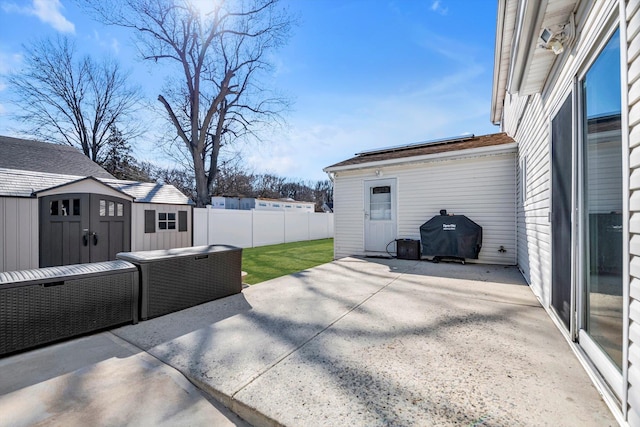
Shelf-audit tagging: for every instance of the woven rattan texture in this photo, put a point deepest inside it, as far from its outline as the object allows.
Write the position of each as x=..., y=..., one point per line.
x=179, y=283
x=37, y=314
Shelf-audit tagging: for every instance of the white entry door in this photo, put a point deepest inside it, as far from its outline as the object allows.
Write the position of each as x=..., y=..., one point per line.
x=379, y=215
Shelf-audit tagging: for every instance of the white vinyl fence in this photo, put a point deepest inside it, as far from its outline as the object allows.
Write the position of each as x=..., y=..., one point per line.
x=247, y=229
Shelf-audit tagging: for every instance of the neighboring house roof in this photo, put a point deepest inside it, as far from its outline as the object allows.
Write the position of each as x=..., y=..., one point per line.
x=24, y=154
x=426, y=149
x=22, y=183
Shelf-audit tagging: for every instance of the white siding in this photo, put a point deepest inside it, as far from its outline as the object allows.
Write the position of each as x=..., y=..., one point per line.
x=348, y=211
x=527, y=120
x=633, y=58
x=18, y=234
x=482, y=188
x=161, y=239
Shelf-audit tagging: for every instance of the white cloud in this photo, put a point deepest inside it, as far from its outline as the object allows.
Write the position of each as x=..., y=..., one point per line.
x=436, y=6
x=115, y=45
x=48, y=11
x=109, y=44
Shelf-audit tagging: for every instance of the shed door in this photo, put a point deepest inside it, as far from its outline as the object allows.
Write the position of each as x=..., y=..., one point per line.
x=380, y=215
x=79, y=228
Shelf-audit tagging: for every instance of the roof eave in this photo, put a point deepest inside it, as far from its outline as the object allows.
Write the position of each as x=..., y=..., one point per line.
x=498, y=93
x=447, y=155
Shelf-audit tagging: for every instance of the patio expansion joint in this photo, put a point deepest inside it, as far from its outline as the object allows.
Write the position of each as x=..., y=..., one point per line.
x=305, y=342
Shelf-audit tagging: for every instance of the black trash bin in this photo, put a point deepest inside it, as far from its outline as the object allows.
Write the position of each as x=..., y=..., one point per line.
x=451, y=236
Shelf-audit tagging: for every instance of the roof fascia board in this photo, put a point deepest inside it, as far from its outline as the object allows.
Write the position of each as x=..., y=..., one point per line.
x=60, y=189
x=496, y=117
x=448, y=155
x=530, y=16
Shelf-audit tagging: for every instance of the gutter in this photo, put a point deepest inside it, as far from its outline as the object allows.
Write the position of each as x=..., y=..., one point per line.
x=448, y=155
x=529, y=20
x=497, y=59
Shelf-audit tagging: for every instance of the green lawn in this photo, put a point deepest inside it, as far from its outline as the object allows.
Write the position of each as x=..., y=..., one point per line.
x=267, y=262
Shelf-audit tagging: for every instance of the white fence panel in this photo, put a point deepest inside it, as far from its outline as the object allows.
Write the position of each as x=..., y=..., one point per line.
x=268, y=228
x=296, y=226
x=319, y=227
x=247, y=229
x=200, y=227
x=230, y=227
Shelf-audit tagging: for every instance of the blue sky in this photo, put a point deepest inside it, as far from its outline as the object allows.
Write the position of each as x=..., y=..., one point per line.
x=362, y=74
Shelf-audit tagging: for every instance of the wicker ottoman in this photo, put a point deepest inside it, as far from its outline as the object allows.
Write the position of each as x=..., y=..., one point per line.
x=49, y=304
x=175, y=279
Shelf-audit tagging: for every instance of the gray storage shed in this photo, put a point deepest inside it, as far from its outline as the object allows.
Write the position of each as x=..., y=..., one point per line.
x=57, y=207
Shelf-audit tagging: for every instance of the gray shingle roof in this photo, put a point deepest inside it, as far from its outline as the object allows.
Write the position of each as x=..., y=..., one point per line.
x=22, y=183
x=24, y=154
x=424, y=149
x=149, y=192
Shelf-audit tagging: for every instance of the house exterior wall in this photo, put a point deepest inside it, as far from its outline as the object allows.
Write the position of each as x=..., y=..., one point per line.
x=632, y=17
x=528, y=120
x=482, y=188
x=18, y=233
x=160, y=239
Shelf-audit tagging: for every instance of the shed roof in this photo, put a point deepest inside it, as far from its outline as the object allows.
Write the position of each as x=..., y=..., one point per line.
x=24, y=183
x=29, y=155
x=149, y=192
x=425, y=149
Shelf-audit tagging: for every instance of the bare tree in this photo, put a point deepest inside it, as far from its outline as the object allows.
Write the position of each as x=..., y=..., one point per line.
x=70, y=100
x=222, y=56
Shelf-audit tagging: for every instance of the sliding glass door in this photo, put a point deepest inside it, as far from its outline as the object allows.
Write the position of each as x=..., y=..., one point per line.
x=601, y=307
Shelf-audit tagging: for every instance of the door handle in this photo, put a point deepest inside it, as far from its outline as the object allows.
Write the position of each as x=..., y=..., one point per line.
x=85, y=237
x=95, y=239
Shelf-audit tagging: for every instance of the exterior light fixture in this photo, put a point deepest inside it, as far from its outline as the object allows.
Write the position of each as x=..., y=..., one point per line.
x=556, y=37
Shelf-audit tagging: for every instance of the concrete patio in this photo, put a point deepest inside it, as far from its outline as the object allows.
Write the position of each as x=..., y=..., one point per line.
x=353, y=342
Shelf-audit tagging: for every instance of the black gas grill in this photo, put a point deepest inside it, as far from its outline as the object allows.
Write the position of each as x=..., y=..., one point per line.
x=451, y=236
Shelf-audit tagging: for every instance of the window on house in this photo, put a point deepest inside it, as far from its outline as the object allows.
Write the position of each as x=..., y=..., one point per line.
x=166, y=220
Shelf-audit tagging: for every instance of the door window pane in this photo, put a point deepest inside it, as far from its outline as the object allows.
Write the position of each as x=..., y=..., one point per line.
x=119, y=209
x=64, y=211
x=53, y=208
x=112, y=209
x=380, y=203
x=602, y=200
x=103, y=208
x=76, y=207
